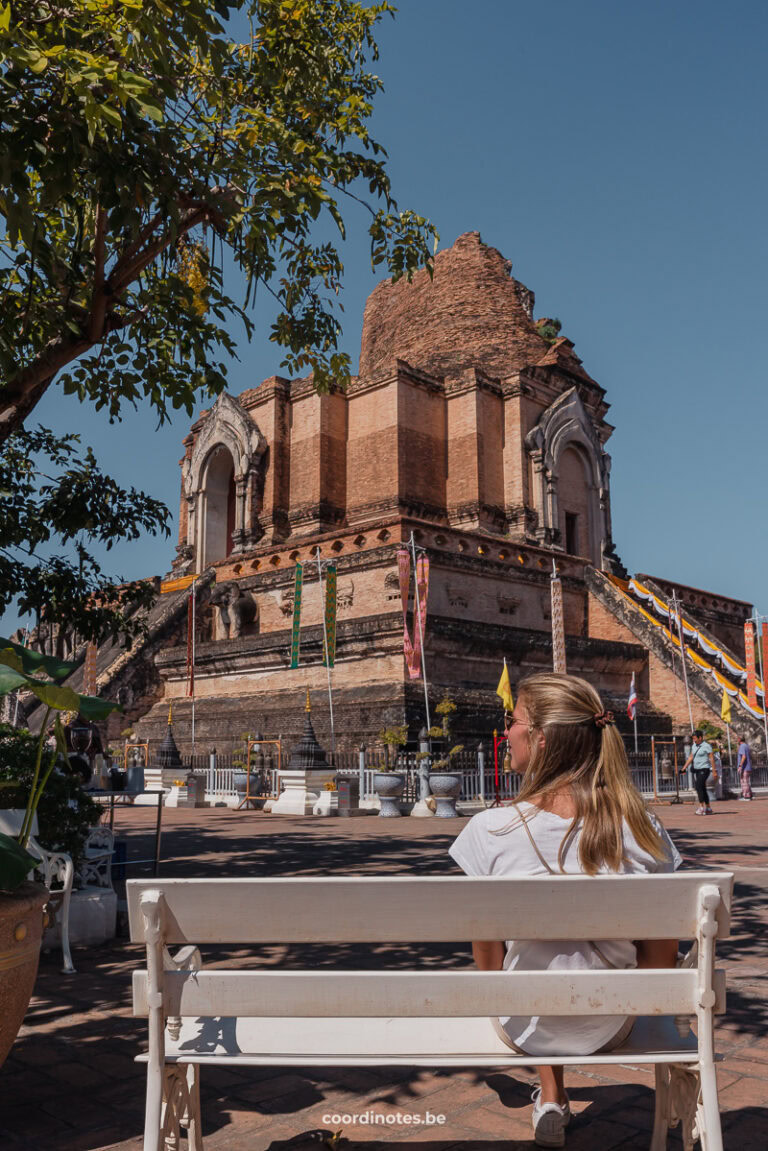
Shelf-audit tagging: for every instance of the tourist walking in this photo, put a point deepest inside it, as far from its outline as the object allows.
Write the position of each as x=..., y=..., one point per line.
x=702, y=761
x=577, y=812
x=744, y=764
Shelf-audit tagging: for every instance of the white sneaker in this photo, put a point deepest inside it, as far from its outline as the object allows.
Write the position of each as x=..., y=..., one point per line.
x=549, y=1121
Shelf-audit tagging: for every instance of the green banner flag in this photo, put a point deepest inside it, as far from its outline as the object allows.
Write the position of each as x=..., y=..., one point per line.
x=296, y=631
x=330, y=613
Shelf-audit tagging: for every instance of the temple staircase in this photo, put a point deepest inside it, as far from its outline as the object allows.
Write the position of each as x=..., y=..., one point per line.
x=711, y=667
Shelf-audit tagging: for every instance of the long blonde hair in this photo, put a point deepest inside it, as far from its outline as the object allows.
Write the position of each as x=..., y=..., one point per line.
x=588, y=760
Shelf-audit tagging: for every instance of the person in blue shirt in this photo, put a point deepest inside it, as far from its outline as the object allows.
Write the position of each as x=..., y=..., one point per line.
x=702, y=761
x=744, y=762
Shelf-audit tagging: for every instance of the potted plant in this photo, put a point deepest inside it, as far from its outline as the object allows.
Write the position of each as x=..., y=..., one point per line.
x=21, y=901
x=240, y=765
x=444, y=783
x=388, y=783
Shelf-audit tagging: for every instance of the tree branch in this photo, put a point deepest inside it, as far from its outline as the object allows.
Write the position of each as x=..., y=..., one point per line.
x=98, y=299
x=21, y=395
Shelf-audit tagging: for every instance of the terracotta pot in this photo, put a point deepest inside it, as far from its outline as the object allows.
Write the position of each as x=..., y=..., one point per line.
x=21, y=930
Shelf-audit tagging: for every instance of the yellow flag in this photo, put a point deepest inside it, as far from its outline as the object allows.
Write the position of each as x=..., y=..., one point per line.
x=504, y=690
x=725, y=707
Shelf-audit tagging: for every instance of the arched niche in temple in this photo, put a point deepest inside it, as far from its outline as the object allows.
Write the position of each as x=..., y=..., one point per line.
x=218, y=511
x=571, y=480
x=221, y=484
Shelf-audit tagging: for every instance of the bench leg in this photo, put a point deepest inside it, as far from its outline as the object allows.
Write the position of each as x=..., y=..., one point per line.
x=708, y=1115
x=181, y=1108
x=66, y=954
x=677, y=1102
x=191, y=1117
x=153, y=1112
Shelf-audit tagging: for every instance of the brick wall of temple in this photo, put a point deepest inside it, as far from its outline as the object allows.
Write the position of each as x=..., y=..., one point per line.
x=421, y=458
x=372, y=452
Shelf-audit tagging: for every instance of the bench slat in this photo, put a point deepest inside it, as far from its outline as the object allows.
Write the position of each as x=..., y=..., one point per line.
x=304, y=1042
x=368, y=994
x=399, y=909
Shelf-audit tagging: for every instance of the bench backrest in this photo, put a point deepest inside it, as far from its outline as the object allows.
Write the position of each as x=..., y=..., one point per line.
x=691, y=905
x=404, y=909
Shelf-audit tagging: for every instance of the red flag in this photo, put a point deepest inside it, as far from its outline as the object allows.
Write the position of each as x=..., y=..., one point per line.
x=191, y=603
x=632, y=701
x=749, y=659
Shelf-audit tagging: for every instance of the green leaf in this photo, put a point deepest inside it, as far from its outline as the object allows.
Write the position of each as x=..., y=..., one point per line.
x=59, y=698
x=33, y=661
x=111, y=115
x=95, y=709
x=5, y=18
x=37, y=62
x=15, y=863
x=10, y=679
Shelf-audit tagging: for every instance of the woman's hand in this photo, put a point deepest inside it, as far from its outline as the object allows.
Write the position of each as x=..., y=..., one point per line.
x=488, y=954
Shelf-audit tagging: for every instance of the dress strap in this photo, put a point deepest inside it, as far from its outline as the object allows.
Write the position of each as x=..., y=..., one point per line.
x=534, y=844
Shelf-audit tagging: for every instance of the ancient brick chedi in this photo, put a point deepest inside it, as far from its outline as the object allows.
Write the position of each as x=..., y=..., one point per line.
x=471, y=425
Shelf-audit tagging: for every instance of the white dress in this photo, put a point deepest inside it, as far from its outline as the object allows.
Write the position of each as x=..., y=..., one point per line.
x=478, y=851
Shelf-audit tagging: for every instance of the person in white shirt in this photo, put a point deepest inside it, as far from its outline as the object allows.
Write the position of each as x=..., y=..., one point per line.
x=577, y=811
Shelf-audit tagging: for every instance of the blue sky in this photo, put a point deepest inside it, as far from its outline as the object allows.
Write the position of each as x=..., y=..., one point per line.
x=616, y=154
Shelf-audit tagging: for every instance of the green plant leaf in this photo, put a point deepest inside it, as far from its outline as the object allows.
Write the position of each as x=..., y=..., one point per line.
x=15, y=863
x=10, y=679
x=34, y=661
x=59, y=698
x=90, y=707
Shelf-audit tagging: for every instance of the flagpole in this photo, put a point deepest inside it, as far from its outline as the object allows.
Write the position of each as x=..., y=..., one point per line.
x=412, y=543
x=730, y=754
x=634, y=720
x=759, y=637
x=679, y=614
x=192, y=670
x=327, y=660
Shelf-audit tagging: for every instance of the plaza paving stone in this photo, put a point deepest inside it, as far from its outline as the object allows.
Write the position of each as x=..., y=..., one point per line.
x=70, y=1083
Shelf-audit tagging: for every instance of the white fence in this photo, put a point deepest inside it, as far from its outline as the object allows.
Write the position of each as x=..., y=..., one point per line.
x=478, y=779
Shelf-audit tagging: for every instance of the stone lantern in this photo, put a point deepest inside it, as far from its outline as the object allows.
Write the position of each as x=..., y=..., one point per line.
x=309, y=781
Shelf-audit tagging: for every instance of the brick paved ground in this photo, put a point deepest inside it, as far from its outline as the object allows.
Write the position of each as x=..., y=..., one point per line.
x=71, y=1083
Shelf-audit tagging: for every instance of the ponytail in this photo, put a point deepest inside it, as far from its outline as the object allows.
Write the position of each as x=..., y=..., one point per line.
x=583, y=753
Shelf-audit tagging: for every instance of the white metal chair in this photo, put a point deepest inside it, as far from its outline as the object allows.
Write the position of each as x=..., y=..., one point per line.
x=56, y=871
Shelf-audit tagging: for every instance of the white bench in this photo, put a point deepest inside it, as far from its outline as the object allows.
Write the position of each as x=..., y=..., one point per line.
x=411, y=1018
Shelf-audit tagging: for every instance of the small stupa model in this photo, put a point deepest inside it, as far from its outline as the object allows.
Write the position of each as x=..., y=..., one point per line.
x=165, y=767
x=309, y=783
x=167, y=756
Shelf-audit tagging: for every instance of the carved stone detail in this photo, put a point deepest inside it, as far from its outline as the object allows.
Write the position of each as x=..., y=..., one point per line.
x=345, y=595
x=285, y=603
x=457, y=598
x=236, y=608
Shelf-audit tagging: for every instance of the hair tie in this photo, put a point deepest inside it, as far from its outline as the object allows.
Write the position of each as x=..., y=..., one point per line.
x=603, y=719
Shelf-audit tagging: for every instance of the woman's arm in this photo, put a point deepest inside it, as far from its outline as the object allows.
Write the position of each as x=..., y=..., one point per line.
x=656, y=952
x=489, y=954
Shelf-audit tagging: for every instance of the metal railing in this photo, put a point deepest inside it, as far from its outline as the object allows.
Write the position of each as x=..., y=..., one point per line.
x=478, y=782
